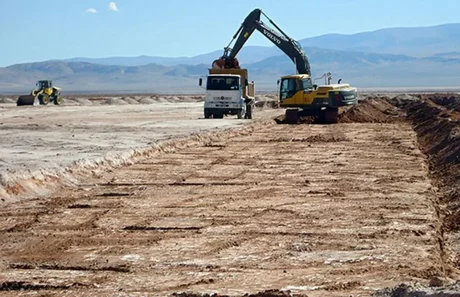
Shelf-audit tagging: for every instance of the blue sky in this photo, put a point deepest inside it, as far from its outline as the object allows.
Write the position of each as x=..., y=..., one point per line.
x=37, y=30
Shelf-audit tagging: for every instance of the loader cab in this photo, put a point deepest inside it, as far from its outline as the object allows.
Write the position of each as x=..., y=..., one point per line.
x=290, y=86
x=44, y=84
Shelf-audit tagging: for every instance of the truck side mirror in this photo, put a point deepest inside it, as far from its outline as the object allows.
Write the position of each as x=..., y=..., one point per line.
x=278, y=82
x=200, y=81
x=315, y=87
x=246, y=81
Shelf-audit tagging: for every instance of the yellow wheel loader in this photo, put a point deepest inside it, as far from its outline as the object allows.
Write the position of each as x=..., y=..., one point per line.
x=42, y=95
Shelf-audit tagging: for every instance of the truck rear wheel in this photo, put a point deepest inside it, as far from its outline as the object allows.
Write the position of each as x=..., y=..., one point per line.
x=248, y=114
x=240, y=114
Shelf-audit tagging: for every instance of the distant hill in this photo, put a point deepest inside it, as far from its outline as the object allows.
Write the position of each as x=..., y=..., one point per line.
x=397, y=57
x=360, y=69
x=83, y=76
x=249, y=54
x=416, y=41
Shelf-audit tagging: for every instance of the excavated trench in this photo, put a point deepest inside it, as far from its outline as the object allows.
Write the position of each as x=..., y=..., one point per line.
x=436, y=120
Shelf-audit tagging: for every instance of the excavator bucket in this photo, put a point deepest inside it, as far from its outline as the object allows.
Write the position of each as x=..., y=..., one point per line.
x=27, y=100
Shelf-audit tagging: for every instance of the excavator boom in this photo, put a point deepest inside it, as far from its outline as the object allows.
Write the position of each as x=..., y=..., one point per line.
x=280, y=39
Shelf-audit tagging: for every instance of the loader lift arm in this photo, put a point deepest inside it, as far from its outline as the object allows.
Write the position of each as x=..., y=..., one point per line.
x=285, y=43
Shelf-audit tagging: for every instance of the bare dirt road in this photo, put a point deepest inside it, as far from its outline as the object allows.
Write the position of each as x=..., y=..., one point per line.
x=317, y=210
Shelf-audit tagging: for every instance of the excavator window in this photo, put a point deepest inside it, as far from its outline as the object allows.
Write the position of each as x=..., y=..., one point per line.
x=289, y=87
x=307, y=84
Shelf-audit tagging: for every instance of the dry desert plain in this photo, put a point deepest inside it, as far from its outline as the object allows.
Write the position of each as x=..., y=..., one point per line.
x=140, y=196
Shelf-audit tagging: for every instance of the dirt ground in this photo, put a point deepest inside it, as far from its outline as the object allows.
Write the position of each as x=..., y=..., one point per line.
x=87, y=132
x=350, y=209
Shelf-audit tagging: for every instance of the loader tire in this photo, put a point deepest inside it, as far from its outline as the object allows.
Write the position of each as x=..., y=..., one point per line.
x=25, y=100
x=44, y=99
x=57, y=100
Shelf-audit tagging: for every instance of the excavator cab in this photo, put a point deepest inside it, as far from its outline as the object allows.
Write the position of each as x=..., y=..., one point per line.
x=293, y=88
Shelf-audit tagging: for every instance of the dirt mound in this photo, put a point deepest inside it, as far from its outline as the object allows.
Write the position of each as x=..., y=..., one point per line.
x=415, y=290
x=69, y=102
x=438, y=131
x=267, y=104
x=450, y=101
x=402, y=99
x=163, y=99
x=313, y=138
x=131, y=101
x=84, y=101
x=7, y=100
x=115, y=101
x=147, y=101
x=302, y=120
x=267, y=293
x=373, y=110
x=185, y=99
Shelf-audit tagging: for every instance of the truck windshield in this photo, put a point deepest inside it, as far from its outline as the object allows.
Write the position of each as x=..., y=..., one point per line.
x=222, y=83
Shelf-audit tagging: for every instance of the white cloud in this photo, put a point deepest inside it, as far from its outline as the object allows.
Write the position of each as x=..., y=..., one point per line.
x=91, y=10
x=113, y=6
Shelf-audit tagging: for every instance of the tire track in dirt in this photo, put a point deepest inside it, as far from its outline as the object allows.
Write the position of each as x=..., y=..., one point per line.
x=326, y=210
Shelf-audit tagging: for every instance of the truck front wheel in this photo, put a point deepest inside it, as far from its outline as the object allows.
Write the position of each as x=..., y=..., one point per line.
x=207, y=113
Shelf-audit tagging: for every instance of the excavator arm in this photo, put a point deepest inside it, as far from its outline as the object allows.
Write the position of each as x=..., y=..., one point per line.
x=280, y=39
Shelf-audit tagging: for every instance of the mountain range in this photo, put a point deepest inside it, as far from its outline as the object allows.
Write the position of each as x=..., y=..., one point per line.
x=392, y=57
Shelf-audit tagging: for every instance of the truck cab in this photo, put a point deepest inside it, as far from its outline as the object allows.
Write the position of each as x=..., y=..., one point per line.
x=228, y=93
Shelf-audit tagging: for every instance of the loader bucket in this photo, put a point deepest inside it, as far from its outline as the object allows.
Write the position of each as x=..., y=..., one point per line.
x=25, y=100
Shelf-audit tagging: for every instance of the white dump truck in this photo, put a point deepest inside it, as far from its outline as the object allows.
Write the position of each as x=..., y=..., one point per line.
x=228, y=92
